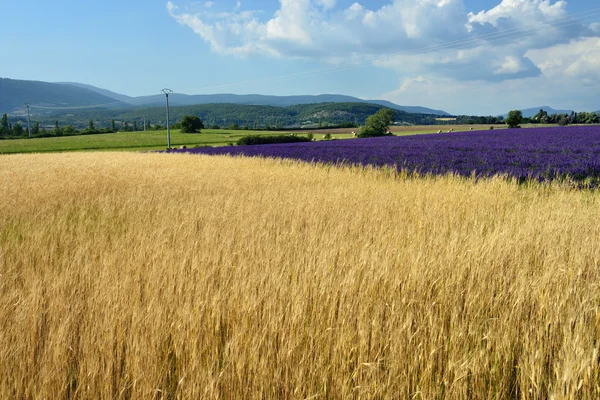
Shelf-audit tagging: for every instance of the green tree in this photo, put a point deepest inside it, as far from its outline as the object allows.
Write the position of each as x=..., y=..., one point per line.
x=378, y=124
x=540, y=117
x=69, y=130
x=191, y=124
x=112, y=125
x=563, y=120
x=90, y=129
x=4, y=125
x=17, y=130
x=36, y=128
x=515, y=117
x=135, y=126
x=57, y=131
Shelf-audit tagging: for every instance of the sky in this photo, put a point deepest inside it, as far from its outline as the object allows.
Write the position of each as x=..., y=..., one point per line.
x=480, y=57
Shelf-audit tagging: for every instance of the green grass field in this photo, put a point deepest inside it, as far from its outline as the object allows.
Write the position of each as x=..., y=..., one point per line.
x=138, y=141
x=157, y=140
x=125, y=141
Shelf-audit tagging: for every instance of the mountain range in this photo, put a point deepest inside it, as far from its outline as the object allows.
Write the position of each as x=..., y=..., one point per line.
x=532, y=112
x=178, y=99
x=14, y=94
x=46, y=97
x=51, y=96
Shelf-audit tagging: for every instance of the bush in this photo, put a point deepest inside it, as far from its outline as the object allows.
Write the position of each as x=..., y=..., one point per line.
x=191, y=124
x=257, y=139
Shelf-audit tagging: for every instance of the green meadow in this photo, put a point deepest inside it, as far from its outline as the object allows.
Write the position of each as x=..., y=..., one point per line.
x=157, y=140
x=124, y=141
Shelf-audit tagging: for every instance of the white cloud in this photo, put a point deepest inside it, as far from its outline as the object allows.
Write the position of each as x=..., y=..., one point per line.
x=576, y=59
x=428, y=42
x=319, y=29
x=488, y=45
x=494, y=98
x=354, y=11
x=209, y=4
x=519, y=13
x=511, y=65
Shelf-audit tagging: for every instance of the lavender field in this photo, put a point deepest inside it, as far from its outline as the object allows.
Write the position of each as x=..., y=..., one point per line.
x=541, y=153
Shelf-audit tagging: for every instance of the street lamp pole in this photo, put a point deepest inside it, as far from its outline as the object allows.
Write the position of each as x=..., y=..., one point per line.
x=167, y=92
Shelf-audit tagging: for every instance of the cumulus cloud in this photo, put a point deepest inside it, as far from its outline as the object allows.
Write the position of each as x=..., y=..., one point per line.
x=318, y=29
x=511, y=13
x=428, y=42
x=576, y=59
x=495, y=98
x=433, y=36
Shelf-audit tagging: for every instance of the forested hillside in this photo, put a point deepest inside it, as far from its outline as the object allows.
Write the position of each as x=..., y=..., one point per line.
x=226, y=115
x=15, y=93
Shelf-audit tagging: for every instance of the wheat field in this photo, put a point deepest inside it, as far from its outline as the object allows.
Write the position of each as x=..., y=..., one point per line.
x=177, y=276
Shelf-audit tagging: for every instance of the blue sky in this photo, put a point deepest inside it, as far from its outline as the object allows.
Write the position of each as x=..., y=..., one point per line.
x=463, y=56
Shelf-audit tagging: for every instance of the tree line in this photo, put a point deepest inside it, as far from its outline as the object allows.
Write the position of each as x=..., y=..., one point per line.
x=248, y=117
x=515, y=118
x=232, y=116
x=542, y=117
x=19, y=128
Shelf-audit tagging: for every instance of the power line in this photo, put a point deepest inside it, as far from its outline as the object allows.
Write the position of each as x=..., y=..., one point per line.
x=453, y=45
x=458, y=44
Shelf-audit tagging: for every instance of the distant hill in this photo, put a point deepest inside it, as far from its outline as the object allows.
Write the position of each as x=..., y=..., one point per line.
x=70, y=94
x=227, y=114
x=409, y=109
x=179, y=99
x=15, y=93
x=104, y=92
x=532, y=112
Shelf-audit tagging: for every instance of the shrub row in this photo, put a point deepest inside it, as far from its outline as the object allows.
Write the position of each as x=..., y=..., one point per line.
x=257, y=139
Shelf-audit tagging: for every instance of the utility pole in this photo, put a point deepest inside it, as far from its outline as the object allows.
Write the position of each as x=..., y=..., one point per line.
x=28, y=121
x=167, y=92
x=144, y=124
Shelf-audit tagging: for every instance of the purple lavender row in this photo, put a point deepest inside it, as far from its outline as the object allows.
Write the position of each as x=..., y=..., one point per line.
x=540, y=153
